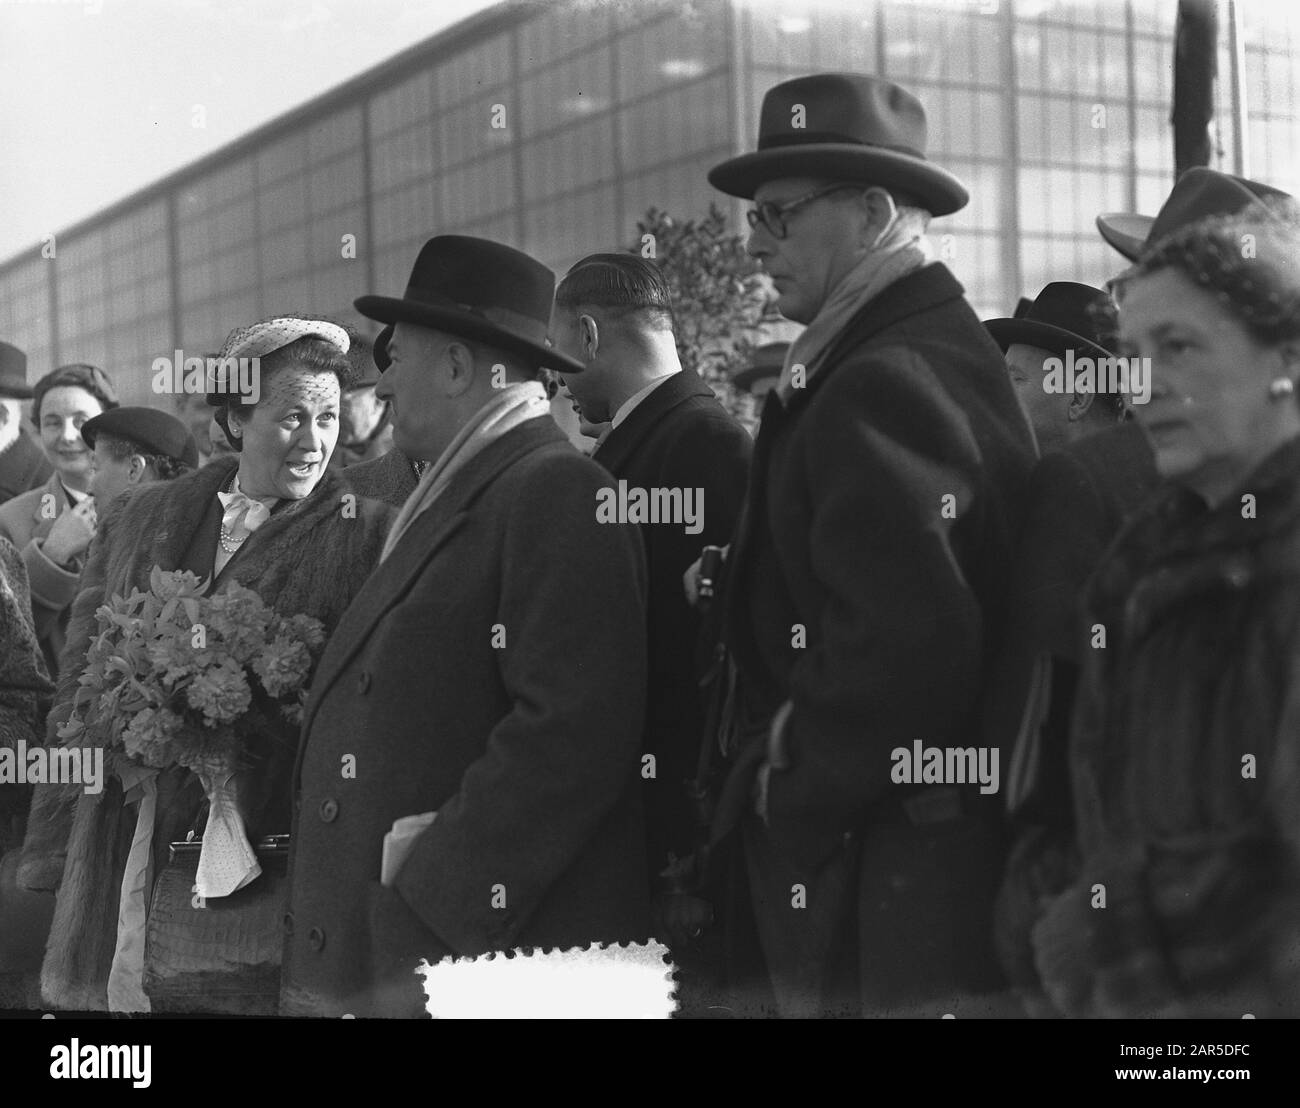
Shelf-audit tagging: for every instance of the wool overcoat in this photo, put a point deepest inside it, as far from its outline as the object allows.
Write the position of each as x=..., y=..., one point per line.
x=311, y=557
x=26, y=521
x=678, y=437
x=865, y=596
x=493, y=672
x=22, y=467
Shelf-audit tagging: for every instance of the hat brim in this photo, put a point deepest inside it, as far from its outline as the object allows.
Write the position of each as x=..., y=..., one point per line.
x=391, y=309
x=940, y=191
x=1126, y=232
x=1007, y=332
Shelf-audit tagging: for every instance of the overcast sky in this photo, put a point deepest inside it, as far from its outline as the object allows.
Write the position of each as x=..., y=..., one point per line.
x=97, y=96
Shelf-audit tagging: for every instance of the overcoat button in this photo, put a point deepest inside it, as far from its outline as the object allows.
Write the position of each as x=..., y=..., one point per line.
x=329, y=810
x=288, y=923
x=316, y=938
x=363, y=682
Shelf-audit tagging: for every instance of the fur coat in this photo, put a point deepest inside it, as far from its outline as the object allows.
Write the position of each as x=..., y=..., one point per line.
x=310, y=557
x=24, y=683
x=1185, y=766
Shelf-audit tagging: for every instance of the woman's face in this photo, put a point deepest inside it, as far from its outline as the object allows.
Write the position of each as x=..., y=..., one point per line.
x=63, y=411
x=289, y=436
x=1210, y=419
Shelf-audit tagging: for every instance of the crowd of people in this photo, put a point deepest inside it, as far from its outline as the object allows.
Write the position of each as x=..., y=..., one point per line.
x=955, y=690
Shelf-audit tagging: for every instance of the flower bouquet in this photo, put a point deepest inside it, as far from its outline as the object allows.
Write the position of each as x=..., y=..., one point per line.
x=172, y=677
x=177, y=678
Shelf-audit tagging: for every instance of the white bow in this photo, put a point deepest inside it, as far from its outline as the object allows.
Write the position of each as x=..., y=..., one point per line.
x=243, y=515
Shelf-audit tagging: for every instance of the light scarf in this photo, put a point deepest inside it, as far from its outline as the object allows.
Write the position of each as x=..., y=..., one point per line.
x=897, y=252
x=511, y=406
x=241, y=515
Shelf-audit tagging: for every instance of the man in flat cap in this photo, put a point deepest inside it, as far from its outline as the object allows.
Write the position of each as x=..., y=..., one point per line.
x=23, y=466
x=866, y=582
x=468, y=775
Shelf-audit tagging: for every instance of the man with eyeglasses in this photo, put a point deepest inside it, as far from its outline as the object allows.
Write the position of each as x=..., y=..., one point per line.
x=866, y=580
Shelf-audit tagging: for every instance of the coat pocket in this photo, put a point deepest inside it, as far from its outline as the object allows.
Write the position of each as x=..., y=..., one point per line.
x=398, y=943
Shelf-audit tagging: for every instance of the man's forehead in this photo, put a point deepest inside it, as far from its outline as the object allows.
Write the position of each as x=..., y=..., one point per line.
x=785, y=188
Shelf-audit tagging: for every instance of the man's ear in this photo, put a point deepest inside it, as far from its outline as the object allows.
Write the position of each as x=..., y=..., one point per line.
x=458, y=375
x=137, y=469
x=589, y=335
x=1079, y=405
x=880, y=211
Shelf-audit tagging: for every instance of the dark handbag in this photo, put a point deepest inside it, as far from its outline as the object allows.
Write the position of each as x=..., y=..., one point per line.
x=224, y=956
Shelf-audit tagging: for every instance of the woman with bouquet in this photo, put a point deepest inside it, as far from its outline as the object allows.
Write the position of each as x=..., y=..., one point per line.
x=270, y=519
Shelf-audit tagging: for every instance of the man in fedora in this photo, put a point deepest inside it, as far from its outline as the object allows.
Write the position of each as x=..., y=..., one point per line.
x=136, y=446
x=391, y=476
x=1096, y=470
x=866, y=583
x=487, y=686
x=23, y=465
x=1064, y=323
x=1198, y=193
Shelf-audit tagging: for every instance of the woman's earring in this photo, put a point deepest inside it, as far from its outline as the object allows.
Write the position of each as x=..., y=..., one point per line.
x=1280, y=388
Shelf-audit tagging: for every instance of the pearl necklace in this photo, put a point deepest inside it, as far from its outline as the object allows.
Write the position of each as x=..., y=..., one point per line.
x=229, y=543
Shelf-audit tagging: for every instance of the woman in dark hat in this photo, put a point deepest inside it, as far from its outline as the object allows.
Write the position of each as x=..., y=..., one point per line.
x=1185, y=749
x=270, y=518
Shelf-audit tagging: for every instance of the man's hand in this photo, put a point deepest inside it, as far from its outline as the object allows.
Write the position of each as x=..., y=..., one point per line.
x=691, y=578
x=71, y=533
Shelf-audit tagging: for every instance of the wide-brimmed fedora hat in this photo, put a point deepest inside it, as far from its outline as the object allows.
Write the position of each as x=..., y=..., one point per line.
x=13, y=373
x=843, y=127
x=1064, y=316
x=1198, y=193
x=478, y=289
x=153, y=431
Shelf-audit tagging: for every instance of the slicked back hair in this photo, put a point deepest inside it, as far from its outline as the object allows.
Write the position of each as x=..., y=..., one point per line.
x=619, y=286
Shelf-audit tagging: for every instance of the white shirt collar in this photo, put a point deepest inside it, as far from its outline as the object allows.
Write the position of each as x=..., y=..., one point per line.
x=632, y=401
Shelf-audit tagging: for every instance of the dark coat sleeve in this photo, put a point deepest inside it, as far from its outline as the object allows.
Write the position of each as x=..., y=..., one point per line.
x=897, y=654
x=50, y=822
x=572, y=602
x=24, y=684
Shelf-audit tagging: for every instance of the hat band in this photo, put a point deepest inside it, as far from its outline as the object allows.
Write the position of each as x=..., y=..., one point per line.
x=524, y=326
x=802, y=138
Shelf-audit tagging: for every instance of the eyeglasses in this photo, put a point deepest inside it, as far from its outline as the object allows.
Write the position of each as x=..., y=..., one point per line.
x=772, y=216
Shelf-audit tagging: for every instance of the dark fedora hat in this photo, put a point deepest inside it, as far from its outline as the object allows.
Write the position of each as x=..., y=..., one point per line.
x=153, y=431
x=13, y=372
x=1062, y=317
x=843, y=127
x=481, y=290
x=764, y=362
x=1198, y=193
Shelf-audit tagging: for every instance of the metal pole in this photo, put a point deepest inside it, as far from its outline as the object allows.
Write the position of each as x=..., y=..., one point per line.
x=1237, y=55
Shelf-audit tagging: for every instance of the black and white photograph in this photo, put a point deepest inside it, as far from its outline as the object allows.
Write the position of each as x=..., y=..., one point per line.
x=672, y=509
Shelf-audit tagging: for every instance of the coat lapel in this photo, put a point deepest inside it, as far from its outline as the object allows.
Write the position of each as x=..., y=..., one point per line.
x=393, y=578
x=622, y=442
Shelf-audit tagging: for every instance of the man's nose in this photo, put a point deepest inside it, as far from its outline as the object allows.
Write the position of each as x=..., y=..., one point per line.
x=758, y=245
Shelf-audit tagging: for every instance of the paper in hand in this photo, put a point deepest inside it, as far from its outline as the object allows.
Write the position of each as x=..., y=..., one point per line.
x=398, y=843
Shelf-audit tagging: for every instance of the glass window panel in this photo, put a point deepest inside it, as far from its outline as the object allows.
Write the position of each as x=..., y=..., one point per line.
x=783, y=37
x=334, y=135
x=562, y=30
x=283, y=204
x=566, y=92
x=675, y=123
x=234, y=224
x=335, y=184
x=674, y=51
x=401, y=105
x=1150, y=57
x=283, y=253
x=282, y=158
x=845, y=39
x=474, y=72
